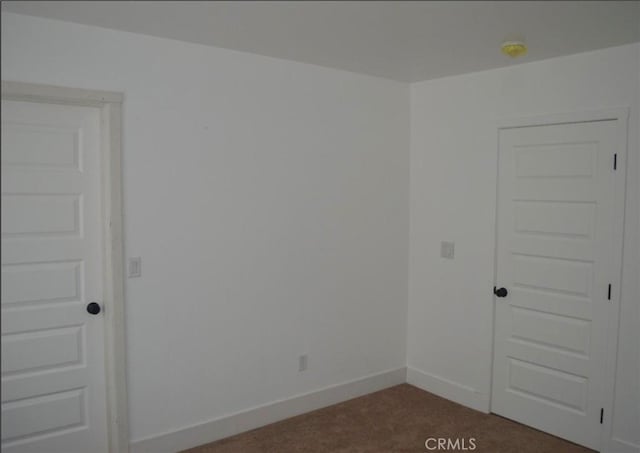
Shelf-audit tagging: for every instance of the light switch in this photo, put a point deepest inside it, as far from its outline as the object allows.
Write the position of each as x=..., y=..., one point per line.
x=135, y=267
x=447, y=250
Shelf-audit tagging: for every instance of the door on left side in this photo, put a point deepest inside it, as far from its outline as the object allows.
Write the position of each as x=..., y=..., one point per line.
x=53, y=358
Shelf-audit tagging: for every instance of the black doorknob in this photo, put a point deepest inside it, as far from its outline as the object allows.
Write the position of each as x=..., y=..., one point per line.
x=500, y=292
x=93, y=308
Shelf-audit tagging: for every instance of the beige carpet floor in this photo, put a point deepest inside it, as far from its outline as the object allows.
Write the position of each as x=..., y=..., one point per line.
x=398, y=419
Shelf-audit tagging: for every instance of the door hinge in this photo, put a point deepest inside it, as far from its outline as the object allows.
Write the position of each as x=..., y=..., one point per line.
x=615, y=161
x=609, y=292
x=601, y=415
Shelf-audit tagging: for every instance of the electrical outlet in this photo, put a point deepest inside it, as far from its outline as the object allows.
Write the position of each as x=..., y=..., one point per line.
x=447, y=250
x=135, y=267
x=303, y=362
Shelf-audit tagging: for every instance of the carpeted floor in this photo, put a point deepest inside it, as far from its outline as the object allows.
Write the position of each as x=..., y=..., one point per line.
x=398, y=419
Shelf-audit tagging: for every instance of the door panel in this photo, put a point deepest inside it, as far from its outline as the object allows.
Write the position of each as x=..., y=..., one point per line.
x=556, y=243
x=53, y=371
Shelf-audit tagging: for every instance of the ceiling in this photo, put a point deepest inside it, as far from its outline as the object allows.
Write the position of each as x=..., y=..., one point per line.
x=402, y=40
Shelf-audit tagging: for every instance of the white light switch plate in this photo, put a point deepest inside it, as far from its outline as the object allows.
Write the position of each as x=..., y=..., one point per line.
x=135, y=267
x=303, y=362
x=447, y=250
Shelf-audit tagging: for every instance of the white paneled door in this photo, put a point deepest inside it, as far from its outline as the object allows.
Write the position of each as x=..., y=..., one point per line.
x=53, y=370
x=557, y=246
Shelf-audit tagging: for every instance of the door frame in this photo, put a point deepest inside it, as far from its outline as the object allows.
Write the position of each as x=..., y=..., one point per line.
x=110, y=105
x=621, y=116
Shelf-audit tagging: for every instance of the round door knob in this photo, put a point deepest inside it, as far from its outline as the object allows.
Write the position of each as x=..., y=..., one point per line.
x=93, y=308
x=501, y=292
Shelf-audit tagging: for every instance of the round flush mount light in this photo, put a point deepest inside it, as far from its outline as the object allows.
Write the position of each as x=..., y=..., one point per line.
x=514, y=49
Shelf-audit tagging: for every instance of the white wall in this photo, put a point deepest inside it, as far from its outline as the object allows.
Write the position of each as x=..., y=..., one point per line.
x=453, y=193
x=269, y=203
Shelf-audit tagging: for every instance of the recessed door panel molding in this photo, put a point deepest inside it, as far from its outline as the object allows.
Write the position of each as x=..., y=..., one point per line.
x=563, y=390
x=562, y=160
x=41, y=215
x=559, y=239
x=42, y=282
x=551, y=329
x=39, y=146
x=552, y=274
x=42, y=349
x=563, y=220
x=43, y=416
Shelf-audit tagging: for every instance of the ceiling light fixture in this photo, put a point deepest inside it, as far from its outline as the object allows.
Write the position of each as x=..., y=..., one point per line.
x=514, y=49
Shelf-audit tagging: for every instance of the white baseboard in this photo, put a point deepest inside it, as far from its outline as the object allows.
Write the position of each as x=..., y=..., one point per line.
x=449, y=389
x=222, y=427
x=622, y=446
x=210, y=431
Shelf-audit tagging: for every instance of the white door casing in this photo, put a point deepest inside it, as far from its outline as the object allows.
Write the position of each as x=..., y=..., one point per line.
x=63, y=370
x=558, y=249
